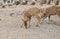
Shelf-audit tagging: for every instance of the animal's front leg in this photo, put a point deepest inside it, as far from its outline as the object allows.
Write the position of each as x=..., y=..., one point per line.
x=38, y=18
x=42, y=19
x=49, y=19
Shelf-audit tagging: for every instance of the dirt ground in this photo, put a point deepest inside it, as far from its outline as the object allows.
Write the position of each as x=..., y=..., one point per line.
x=10, y=26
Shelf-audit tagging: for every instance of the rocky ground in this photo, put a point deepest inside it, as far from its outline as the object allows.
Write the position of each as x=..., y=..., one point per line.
x=10, y=25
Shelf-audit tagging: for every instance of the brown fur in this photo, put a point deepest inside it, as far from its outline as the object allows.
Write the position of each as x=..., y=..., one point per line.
x=33, y=11
x=54, y=10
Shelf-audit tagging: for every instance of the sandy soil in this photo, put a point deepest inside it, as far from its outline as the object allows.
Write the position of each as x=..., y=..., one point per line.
x=10, y=26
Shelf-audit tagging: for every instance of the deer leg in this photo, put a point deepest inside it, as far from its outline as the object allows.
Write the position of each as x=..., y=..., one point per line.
x=49, y=19
x=38, y=18
x=43, y=19
x=25, y=24
x=28, y=23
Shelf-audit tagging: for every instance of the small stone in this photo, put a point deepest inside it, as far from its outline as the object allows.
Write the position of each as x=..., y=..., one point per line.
x=33, y=3
x=24, y=3
x=0, y=19
x=3, y=6
x=17, y=2
x=11, y=14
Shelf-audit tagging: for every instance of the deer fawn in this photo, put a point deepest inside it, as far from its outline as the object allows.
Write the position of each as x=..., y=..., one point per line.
x=53, y=10
x=33, y=11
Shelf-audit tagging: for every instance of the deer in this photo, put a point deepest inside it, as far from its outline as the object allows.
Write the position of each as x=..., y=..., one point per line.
x=32, y=11
x=50, y=11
